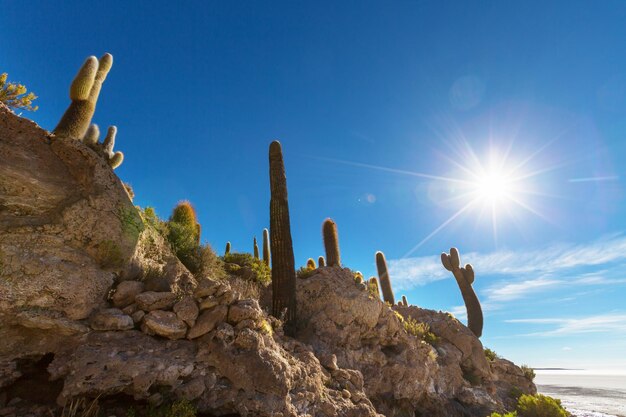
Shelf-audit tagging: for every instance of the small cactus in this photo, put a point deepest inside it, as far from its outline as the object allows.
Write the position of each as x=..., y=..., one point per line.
x=256, y=249
x=283, y=262
x=404, y=301
x=383, y=277
x=373, y=286
x=465, y=278
x=331, y=243
x=84, y=93
x=310, y=264
x=105, y=149
x=266, y=247
x=321, y=261
x=227, y=250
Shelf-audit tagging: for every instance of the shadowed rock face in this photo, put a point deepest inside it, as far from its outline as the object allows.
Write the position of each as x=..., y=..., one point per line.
x=67, y=223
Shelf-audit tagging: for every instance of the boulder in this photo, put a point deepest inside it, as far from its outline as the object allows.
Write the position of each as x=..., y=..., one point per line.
x=126, y=292
x=111, y=319
x=187, y=310
x=156, y=300
x=164, y=323
x=207, y=320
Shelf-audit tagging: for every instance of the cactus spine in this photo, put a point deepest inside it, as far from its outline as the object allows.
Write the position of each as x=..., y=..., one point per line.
x=84, y=93
x=256, y=249
x=464, y=278
x=405, y=301
x=227, y=250
x=321, y=261
x=331, y=243
x=266, y=247
x=383, y=277
x=283, y=263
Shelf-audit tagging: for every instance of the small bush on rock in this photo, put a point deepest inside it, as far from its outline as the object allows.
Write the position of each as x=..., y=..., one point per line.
x=536, y=406
x=490, y=355
x=420, y=330
x=529, y=372
x=16, y=95
x=250, y=268
x=305, y=272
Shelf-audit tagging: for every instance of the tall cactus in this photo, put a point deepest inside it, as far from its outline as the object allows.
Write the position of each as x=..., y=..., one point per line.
x=331, y=243
x=256, y=249
x=283, y=263
x=227, y=250
x=266, y=247
x=321, y=262
x=405, y=302
x=84, y=93
x=464, y=278
x=383, y=277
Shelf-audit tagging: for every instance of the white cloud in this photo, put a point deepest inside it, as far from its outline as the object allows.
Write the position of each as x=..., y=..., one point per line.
x=546, y=262
x=614, y=323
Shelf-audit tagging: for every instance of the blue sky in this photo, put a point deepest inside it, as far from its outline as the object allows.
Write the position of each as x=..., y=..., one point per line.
x=386, y=111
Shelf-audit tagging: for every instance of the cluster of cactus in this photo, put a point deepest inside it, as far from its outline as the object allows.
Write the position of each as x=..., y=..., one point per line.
x=283, y=262
x=383, y=277
x=105, y=149
x=331, y=243
x=266, y=247
x=84, y=93
x=465, y=277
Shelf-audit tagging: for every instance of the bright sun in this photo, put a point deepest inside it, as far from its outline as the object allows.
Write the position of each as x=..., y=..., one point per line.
x=494, y=187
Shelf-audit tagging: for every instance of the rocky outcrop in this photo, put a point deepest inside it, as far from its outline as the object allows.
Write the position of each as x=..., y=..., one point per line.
x=402, y=373
x=93, y=303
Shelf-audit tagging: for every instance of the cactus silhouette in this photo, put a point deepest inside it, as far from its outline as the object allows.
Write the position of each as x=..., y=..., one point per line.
x=310, y=264
x=373, y=283
x=84, y=93
x=331, y=243
x=283, y=263
x=266, y=247
x=321, y=261
x=227, y=250
x=464, y=278
x=256, y=249
x=105, y=149
x=405, y=301
x=383, y=277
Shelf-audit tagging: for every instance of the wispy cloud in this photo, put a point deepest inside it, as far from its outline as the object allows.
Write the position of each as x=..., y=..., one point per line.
x=553, y=260
x=613, y=323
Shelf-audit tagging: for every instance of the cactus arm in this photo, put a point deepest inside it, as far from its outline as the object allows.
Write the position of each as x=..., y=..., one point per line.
x=109, y=141
x=82, y=83
x=255, y=248
x=116, y=160
x=92, y=136
x=472, y=304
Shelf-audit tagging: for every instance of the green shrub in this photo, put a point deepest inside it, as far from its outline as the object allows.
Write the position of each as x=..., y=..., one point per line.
x=305, y=272
x=420, y=330
x=529, y=372
x=251, y=268
x=180, y=408
x=540, y=406
x=15, y=95
x=208, y=264
x=491, y=355
x=536, y=406
x=184, y=235
x=150, y=219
